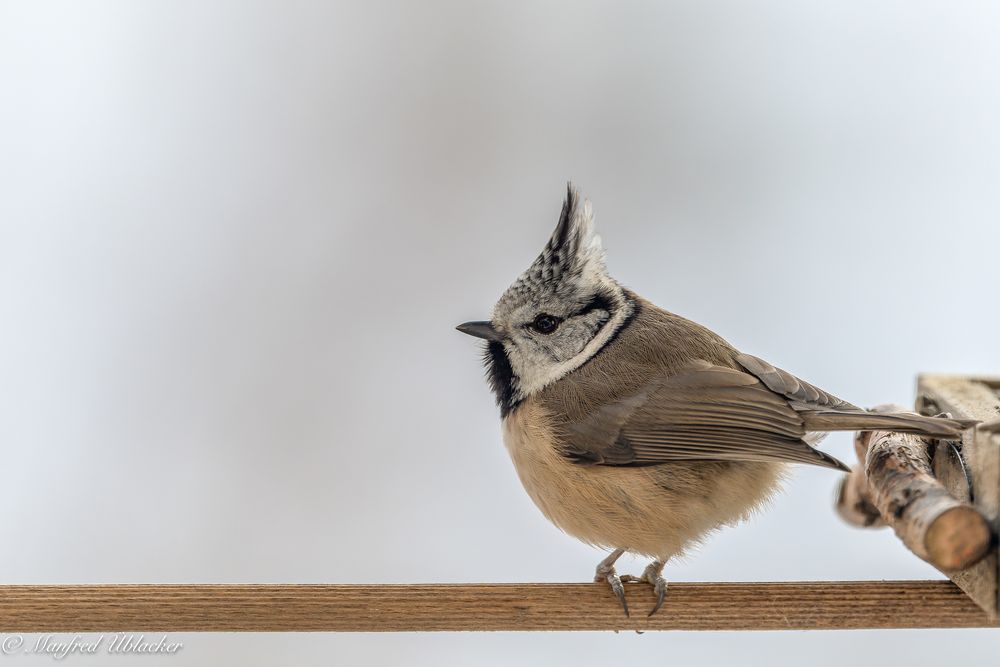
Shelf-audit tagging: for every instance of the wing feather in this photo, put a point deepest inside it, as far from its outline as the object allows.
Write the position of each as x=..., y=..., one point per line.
x=702, y=412
x=803, y=396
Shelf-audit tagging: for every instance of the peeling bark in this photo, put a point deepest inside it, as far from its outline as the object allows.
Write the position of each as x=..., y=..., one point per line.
x=895, y=486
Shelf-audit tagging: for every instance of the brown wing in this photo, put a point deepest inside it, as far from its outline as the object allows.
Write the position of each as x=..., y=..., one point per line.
x=802, y=395
x=821, y=412
x=702, y=412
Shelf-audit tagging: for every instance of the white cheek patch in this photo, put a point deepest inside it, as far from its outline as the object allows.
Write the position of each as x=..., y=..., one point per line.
x=585, y=328
x=536, y=369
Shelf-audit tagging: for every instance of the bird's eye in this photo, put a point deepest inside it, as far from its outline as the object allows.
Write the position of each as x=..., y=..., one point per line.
x=545, y=323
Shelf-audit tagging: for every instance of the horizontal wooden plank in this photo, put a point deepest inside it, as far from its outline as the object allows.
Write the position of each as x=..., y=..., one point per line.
x=478, y=607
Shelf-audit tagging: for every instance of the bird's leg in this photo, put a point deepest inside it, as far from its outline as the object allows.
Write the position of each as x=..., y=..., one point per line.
x=606, y=572
x=653, y=574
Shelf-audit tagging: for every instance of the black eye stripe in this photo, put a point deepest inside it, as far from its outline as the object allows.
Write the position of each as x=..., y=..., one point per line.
x=599, y=302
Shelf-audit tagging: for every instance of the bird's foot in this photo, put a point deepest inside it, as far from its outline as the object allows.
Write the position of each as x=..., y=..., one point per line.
x=606, y=572
x=616, y=587
x=653, y=575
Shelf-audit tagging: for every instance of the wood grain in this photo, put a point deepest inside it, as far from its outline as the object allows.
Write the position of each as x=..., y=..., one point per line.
x=478, y=607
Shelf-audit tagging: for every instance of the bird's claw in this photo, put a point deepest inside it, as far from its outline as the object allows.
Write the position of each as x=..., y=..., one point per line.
x=616, y=587
x=660, y=589
x=606, y=572
x=652, y=575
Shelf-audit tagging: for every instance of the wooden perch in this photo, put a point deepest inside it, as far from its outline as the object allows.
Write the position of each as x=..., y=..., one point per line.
x=481, y=607
x=895, y=484
x=941, y=498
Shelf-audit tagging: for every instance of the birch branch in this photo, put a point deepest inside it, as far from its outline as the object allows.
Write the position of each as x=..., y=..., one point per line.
x=895, y=486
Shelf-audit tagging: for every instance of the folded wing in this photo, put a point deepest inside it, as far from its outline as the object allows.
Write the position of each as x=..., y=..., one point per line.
x=703, y=412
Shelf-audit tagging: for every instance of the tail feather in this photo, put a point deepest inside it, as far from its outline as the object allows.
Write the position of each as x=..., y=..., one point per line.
x=900, y=422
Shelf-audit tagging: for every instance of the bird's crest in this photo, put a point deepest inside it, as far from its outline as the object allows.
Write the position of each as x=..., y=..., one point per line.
x=573, y=256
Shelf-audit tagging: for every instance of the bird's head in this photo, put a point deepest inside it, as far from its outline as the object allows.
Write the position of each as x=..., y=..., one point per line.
x=557, y=315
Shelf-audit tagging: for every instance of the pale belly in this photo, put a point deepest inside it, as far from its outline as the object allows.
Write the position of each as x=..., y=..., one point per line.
x=656, y=511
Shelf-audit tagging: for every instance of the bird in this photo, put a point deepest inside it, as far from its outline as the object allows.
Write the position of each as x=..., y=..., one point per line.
x=636, y=430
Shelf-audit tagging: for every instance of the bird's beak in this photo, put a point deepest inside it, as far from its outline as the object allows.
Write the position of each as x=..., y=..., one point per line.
x=480, y=330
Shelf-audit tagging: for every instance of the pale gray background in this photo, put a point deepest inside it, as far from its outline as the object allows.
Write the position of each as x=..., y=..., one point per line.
x=236, y=237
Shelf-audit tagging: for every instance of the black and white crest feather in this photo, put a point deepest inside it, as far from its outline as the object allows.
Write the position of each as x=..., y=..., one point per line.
x=572, y=258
